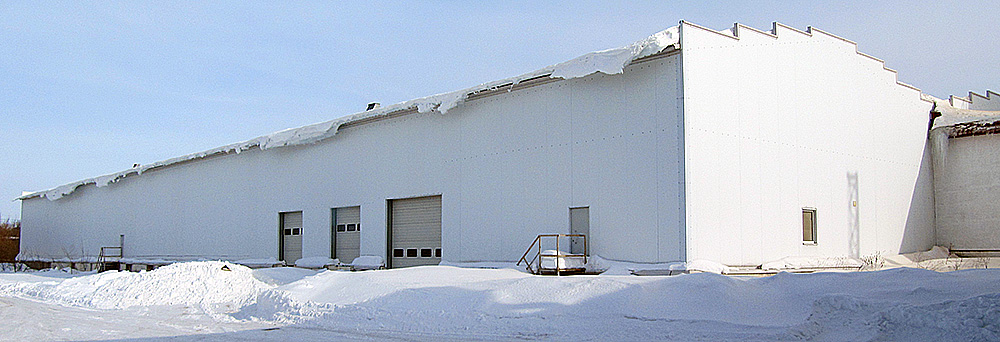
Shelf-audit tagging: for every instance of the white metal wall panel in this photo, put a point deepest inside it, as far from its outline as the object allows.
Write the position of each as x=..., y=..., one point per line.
x=416, y=224
x=348, y=242
x=608, y=141
x=967, y=193
x=777, y=123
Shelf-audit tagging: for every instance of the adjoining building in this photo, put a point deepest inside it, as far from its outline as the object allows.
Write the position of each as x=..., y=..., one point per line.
x=966, y=137
x=739, y=146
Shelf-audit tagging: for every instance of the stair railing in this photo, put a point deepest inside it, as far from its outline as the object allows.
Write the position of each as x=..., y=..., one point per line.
x=533, y=268
x=107, y=253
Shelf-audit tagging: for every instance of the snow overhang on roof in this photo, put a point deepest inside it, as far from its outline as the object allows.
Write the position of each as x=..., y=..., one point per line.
x=611, y=61
x=957, y=122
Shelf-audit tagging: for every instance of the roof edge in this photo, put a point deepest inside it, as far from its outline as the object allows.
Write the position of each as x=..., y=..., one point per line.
x=610, y=61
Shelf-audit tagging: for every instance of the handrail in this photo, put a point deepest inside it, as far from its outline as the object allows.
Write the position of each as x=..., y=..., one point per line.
x=529, y=251
x=109, y=248
x=559, y=254
x=102, y=259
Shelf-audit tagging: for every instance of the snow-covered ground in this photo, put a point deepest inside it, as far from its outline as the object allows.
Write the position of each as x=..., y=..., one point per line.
x=203, y=301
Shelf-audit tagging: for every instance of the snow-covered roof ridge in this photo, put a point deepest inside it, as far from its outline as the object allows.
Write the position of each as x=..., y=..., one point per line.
x=611, y=61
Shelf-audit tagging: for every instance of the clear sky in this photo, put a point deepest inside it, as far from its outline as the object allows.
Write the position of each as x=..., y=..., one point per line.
x=90, y=88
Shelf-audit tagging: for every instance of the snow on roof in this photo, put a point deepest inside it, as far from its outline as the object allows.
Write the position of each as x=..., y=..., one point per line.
x=611, y=61
x=953, y=122
x=962, y=122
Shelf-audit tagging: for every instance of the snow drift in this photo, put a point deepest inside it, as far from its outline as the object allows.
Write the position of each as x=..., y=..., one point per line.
x=434, y=302
x=192, y=283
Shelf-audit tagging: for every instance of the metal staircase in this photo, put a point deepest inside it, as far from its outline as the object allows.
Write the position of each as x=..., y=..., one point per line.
x=556, y=262
x=111, y=257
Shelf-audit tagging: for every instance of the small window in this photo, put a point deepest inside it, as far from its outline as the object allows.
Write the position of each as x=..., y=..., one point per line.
x=426, y=252
x=808, y=226
x=341, y=227
x=296, y=231
x=352, y=227
x=359, y=227
x=411, y=253
x=288, y=231
x=437, y=252
x=397, y=253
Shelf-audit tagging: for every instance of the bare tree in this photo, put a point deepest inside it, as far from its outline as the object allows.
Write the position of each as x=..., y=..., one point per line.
x=10, y=234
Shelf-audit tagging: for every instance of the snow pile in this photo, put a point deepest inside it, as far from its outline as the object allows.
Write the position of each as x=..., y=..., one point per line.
x=367, y=262
x=280, y=307
x=612, y=61
x=282, y=275
x=492, y=265
x=597, y=264
x=899, y=304
x=42, y=275
x=551, y=258
x=258, y=263
x=709, y=266
x=316, y=262
x=847, y=318
x=212, y=284
x=804, y=262
x=442, y=302
x=972, y=319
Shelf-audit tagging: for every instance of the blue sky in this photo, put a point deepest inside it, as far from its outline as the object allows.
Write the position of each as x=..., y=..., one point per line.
x=91, y=88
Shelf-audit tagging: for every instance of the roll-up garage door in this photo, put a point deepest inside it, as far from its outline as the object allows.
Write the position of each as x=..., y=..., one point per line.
x=348, y=233
x=291, y=237
x=415, y=231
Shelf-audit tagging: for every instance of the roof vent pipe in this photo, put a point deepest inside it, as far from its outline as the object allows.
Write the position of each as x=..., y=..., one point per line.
x=372, y=105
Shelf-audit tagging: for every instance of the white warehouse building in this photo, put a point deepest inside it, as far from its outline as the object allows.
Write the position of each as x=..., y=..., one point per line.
x=740, y=146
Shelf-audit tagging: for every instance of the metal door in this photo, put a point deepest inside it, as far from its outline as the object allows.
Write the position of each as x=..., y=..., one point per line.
x=579, y=223
x=348, y=233
x=291, y=237
x=415, y=231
